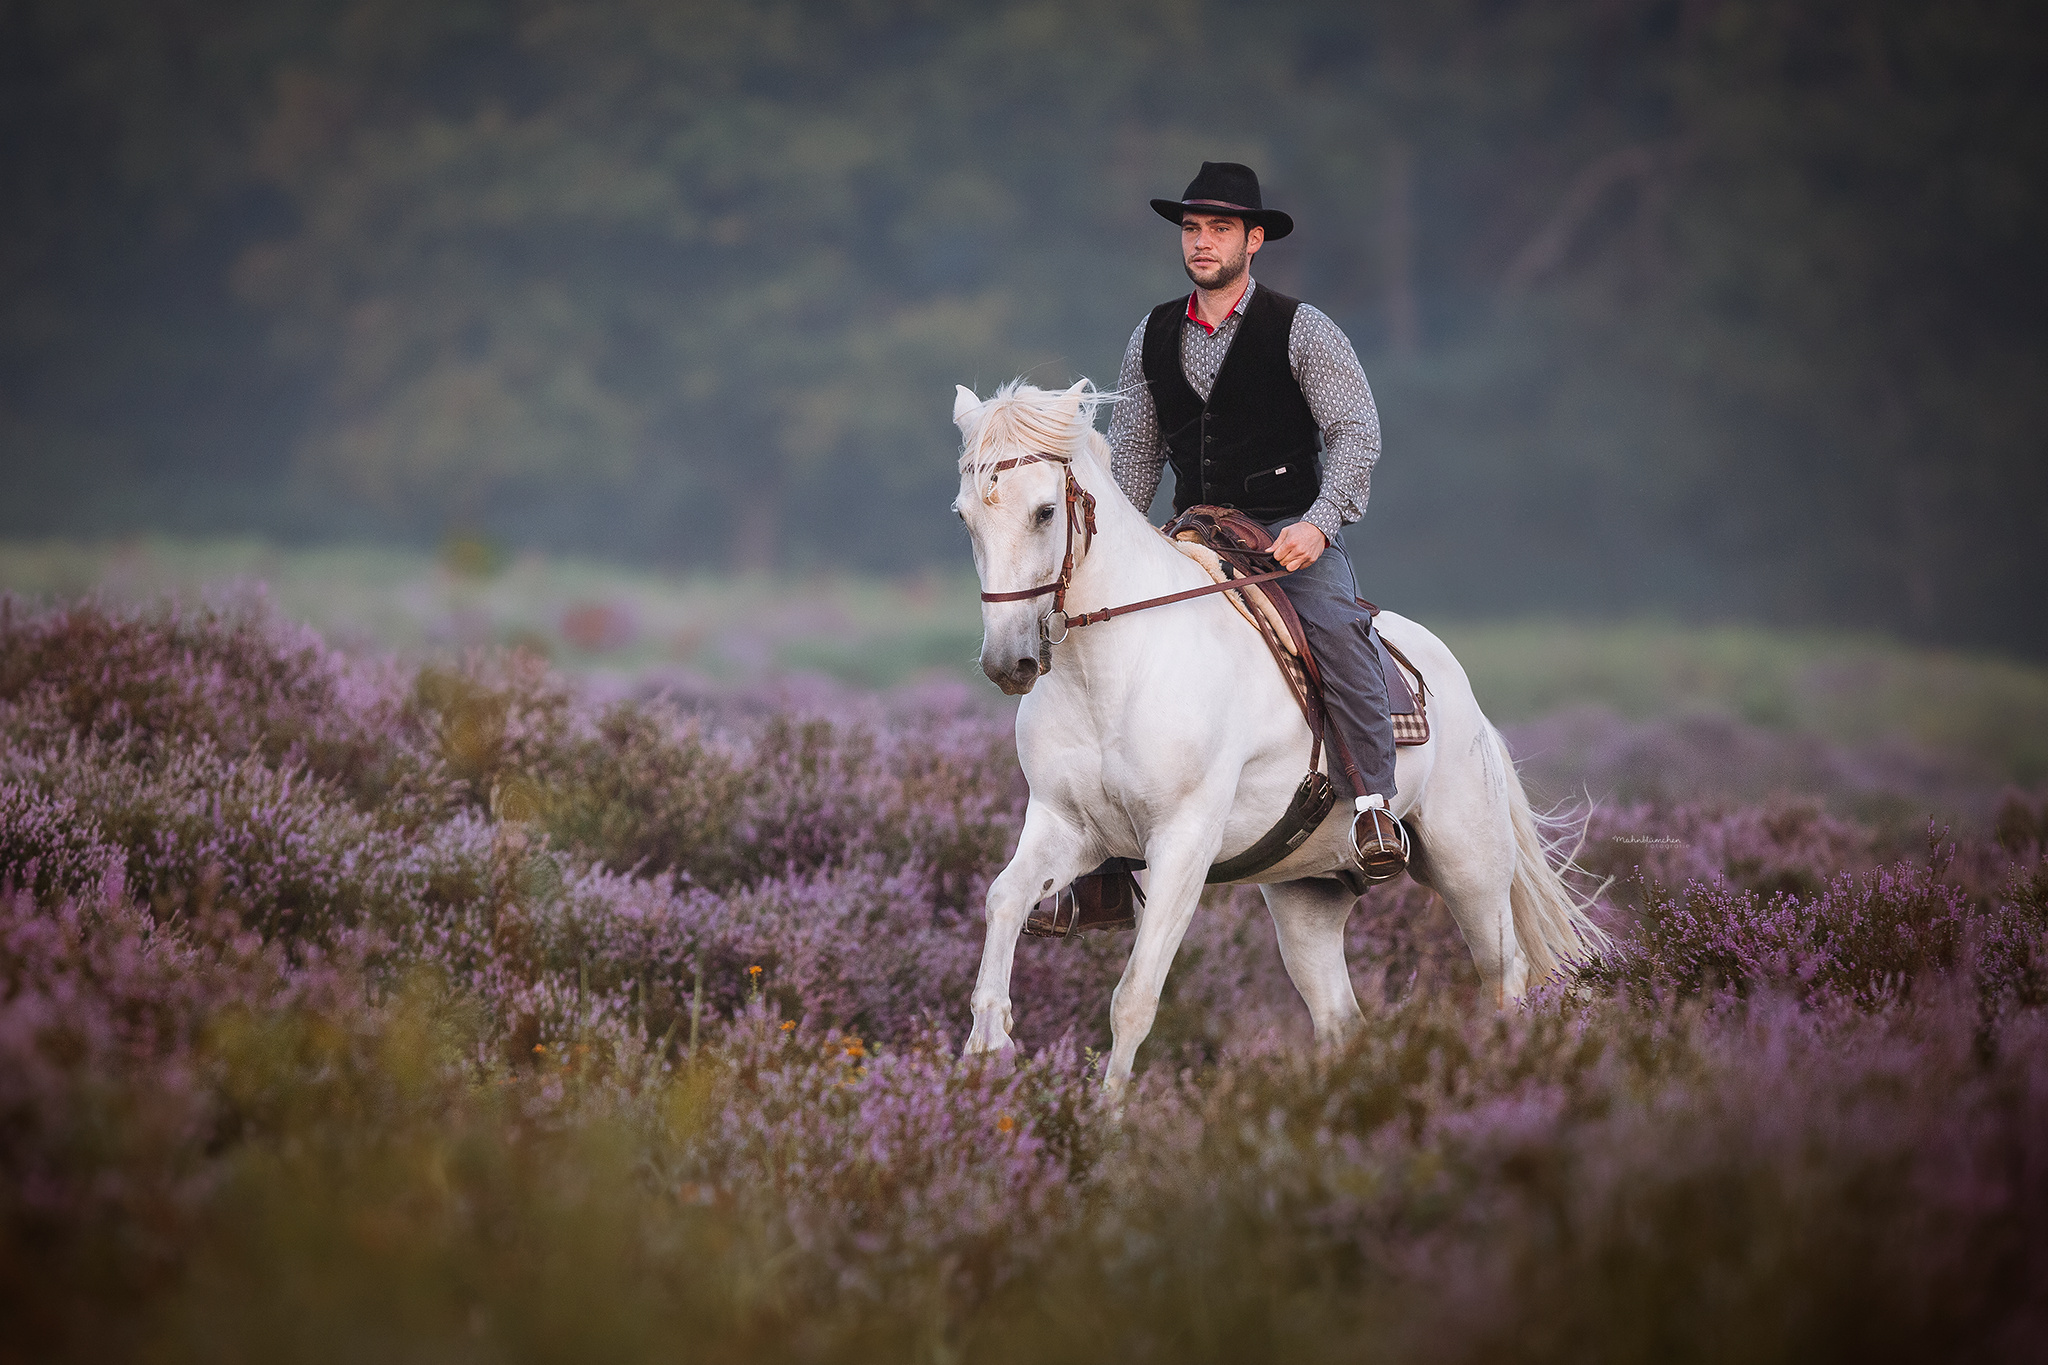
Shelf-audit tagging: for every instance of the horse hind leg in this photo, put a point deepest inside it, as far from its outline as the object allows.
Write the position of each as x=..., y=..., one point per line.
x=1308, y=921
x=1474, y=872
x=1520, y=919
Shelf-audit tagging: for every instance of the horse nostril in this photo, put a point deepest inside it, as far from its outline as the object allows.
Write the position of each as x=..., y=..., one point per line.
x=1027, y=667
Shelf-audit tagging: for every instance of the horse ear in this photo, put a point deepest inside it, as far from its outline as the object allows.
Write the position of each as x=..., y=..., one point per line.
x=964, y=402
x=1076, y=396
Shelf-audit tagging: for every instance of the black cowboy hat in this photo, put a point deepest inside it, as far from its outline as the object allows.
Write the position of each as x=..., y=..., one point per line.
x=1226, y=187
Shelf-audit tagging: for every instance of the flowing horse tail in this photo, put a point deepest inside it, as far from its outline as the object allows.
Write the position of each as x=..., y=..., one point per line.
x=1551, y=922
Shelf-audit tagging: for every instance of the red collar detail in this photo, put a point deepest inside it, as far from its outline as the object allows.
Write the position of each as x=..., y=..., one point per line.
x=1196, y=318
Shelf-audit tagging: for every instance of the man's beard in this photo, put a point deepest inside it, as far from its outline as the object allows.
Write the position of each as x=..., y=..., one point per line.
x=1227, y=273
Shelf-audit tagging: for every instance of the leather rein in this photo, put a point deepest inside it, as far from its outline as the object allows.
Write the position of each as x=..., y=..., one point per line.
x=1081, y=517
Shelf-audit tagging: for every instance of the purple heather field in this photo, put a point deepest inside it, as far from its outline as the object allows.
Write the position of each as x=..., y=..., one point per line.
x=352, y=1008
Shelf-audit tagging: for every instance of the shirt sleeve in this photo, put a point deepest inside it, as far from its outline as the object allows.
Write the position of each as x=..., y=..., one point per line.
x=1333, y=382
x=1137, y=457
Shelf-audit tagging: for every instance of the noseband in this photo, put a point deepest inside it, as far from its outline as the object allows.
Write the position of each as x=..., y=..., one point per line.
x=1081, y=515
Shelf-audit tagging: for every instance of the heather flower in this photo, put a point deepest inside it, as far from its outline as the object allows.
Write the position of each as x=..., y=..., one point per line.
x=338, y=995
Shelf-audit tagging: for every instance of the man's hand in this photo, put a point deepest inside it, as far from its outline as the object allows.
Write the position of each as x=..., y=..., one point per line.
x=1299, y=546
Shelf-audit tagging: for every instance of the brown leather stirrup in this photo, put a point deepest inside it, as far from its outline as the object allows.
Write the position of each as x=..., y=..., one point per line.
x=1107, y=898
x=1380, y=844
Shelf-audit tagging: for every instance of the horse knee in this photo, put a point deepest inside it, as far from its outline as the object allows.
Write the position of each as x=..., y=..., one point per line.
x=1003, y=905
x=1131, y=1013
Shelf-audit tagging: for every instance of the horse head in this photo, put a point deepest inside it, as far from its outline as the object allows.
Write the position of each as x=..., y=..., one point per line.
x=1016, y=513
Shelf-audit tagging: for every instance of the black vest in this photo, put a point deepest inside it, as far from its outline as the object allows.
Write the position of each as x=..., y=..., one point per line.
x=1253, y=445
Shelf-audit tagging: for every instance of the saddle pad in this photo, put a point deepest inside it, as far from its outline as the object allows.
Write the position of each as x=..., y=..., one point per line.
x=1212, y=564
x=1404, y=705
x=1411, y=729
x=1404, y=698
x=1244, y=545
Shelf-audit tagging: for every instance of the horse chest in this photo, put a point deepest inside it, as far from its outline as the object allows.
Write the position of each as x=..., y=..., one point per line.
x=1124, y=774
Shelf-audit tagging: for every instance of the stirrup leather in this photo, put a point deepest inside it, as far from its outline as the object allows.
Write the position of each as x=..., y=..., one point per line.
x=1379, y=844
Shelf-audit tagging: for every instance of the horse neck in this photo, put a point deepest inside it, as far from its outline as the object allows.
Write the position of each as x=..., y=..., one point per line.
x=1128, y=558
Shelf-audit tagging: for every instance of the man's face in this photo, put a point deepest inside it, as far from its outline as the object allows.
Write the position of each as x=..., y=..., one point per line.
x=1216, y=249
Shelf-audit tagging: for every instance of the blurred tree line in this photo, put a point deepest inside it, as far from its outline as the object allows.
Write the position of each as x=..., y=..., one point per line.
x=1715, y=307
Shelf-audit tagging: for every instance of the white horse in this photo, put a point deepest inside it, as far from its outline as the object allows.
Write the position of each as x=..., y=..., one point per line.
x=1169, y=735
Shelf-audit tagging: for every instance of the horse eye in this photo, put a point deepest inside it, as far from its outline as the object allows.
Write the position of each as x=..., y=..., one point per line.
x=1043, y=515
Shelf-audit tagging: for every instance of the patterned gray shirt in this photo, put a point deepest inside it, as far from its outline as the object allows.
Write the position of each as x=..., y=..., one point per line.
x=1331, y=380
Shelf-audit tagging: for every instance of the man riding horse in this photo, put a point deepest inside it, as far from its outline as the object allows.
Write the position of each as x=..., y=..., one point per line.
x=1259, y=403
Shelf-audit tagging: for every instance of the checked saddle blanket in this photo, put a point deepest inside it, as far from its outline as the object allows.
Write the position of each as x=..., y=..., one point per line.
x=1228, y=544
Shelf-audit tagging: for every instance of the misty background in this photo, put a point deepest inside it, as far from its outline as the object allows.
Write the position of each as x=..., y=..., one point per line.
x=1717, y=310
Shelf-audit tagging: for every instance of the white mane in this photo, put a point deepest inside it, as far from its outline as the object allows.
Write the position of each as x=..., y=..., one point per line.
x=1020, y=417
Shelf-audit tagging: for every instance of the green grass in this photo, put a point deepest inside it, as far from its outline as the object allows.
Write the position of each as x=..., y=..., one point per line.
x=879, y=632
x=872, y=631
x=1846, y=688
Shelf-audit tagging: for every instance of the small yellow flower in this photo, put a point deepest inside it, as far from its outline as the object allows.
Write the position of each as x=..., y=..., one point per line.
x=540, y=1047
x=1006, y=1124
x=788, y=1024
x=856, y=1048
x=754, y=971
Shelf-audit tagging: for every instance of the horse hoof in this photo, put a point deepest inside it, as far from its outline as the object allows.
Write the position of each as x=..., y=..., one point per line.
x=1001, y=1060
x=988, y=1042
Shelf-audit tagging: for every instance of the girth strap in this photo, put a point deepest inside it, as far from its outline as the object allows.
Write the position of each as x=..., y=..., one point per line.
x=1311, y=803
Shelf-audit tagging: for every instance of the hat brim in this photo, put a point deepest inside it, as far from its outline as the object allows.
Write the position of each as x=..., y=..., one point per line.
x=1276, y=223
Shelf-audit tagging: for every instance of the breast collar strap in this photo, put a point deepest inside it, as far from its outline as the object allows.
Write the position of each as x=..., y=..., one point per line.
x=1081, y=517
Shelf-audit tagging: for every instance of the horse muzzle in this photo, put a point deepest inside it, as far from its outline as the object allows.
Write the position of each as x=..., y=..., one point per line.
x=1015, y=676
x=1015, y=657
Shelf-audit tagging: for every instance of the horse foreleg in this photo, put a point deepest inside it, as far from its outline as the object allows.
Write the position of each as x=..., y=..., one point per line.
x=1308, y=919
x=1049, y=855
x=1173, y=890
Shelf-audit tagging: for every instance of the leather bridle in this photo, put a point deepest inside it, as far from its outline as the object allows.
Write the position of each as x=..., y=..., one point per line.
x=1080, y=506
x=1080, y=514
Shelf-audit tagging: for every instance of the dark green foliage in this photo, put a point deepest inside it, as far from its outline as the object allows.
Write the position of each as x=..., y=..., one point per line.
x=652, y=793
x=1722, y=309
x=2022, y=823
x=642, y=794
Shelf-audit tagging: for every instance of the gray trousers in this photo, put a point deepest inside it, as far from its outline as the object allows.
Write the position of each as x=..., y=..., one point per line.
x=1325, y=596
